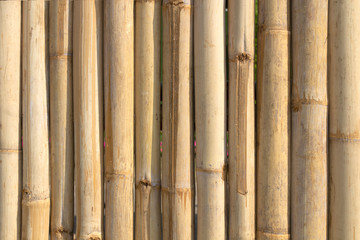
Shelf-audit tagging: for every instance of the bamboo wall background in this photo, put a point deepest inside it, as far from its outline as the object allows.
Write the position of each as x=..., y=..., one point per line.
x=179, y=119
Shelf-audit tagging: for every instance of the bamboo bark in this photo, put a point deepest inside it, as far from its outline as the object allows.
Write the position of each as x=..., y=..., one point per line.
x=119, y=118
x=10, y=120
x=210, y=117
x=344, y=117
x=61, y=120
x=88, y=99
x=241, y=120
x=177, y=162
x=309, y=120
x=273, y=121
x=36, y=192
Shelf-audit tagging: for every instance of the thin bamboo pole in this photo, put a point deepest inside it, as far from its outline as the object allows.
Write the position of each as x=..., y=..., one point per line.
x=344, y=117
x=88, y=98
x=273, y=121
x=177, y=162
x=241, y=119
x=210, y=115
x=309, y=120
x=119, y=119
x=10, y=120
x=36, y=192
x=61, y=120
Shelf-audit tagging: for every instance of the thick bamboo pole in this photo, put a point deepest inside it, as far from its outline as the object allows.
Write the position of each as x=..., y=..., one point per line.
x=88, y=99
x=10, y=120
x=210, y=111
x=273, y=121
x=344, y=117
x=36, y=192
x=241, y=119
x=61, y=120
x=309, y=120
x=177, y=162
x=119, y=119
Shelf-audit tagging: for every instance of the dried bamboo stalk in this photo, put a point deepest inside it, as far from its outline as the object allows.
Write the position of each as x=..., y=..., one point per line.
x=177, y=162
x=36, y=192
x=147, y=124
x=344, y=117
x=210, y=117
x=273, y=121
x=309, y=120
x=61, y=120
x=88, y=99
x=10, y=120
x=241, y=119
x=119, y=119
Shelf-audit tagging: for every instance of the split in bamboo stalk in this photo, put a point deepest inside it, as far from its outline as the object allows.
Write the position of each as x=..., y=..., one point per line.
x=36, y=192
x=344, y=118
x=147, y=128
x=241, y=120
x=119, y=119
x=177, y=162
x=309, y=120
x=10, y=120
x=273, y=121
x=210, y=117
x=61, y=120
x=88, y=100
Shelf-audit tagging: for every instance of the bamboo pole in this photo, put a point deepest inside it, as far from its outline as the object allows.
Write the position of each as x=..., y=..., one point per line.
x=119, y=118
x=309, y=120
x=344, y=117
x=36, y=192
x=10, y=120
x=273, y=121
x=88, y=97
x=241, y=120
x=61, y=120
x=210, y=115
x=177, y=162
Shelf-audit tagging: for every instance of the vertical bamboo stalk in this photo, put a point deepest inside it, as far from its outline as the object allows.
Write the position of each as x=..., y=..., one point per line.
x=309, y=120
x=273, y=121
x=177, y=162
x=61, y=120
x=210, y=115
x=344, y=117
x=36, y=193
x=241, y=120
x=88, y=99
x=10, y=120
x=119, y=118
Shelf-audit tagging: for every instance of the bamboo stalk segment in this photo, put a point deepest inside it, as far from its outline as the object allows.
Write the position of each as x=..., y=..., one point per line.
x=273, y=121
x=344, y=117
x=119, y=119
x=10, y=120
x=88, y=99
x=309, y=120
x=61, y=119
x=210, y=117
x=178, y=193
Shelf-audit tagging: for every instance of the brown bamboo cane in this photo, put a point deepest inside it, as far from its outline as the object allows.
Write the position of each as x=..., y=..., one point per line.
x=309, y=120
x=177, y=183
x=36, y=192
x=119, y=118
x=61, y=120
x=344, y=117
x=241, y=119
x=88, y=109
x=273, y=121
x=10, y=120
x=210, y=115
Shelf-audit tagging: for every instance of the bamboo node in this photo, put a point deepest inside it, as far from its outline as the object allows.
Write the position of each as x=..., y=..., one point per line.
x=10, y=150
x=297, y=103
x=222, y=171
x=61, y=231
x=92, y=236
x=147, y=184
x=242, y=57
